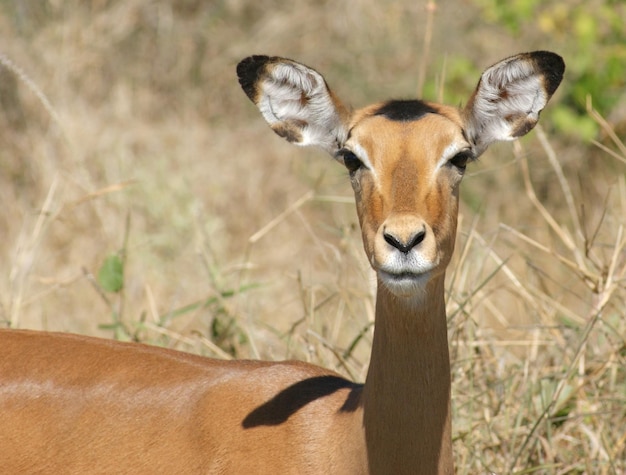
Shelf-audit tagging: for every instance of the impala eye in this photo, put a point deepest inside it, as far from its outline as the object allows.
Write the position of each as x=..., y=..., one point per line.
x=460, y=160
x=350, y=160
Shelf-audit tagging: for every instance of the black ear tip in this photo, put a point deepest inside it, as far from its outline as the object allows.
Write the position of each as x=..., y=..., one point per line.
x=248, y=72
x=553, y=67
x=251, y=63
x=549, y=60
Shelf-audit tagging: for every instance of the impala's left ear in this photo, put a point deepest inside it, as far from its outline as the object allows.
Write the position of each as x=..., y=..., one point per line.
x=510, y=96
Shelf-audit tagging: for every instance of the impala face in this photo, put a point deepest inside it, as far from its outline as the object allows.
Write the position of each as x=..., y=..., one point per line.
x=405, y=158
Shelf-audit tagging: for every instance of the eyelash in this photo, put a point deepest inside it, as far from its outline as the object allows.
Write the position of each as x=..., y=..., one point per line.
x=460, y=160
x=350, y=161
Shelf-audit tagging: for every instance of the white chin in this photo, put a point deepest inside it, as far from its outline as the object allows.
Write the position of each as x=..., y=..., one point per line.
x=405, y=284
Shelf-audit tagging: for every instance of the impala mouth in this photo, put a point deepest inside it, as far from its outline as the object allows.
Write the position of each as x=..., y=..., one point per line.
x=402, y=276
x=404, y=283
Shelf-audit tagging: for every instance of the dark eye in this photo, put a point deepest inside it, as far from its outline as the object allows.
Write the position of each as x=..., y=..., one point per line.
x=351, y=161
x=460, y=160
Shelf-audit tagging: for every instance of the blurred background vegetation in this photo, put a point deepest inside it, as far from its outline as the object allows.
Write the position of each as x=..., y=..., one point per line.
x=144, y=198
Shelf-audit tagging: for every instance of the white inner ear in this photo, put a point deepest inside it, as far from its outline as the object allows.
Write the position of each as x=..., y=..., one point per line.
x=513, y=90
x=509, y=94
x=297, y=95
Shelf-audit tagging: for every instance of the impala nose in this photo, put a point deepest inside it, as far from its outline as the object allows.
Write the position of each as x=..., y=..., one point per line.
x=405, y=245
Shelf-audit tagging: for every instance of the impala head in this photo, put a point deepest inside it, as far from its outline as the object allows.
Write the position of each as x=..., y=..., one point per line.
x=406, y=159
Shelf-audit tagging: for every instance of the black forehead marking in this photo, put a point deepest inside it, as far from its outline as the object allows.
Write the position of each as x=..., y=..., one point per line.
x=405, y=110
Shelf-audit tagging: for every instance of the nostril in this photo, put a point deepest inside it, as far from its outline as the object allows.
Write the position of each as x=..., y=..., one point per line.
x=393, y=241
x=415, y=240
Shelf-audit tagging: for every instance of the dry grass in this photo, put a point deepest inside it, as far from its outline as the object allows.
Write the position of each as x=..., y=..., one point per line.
x=123, y=130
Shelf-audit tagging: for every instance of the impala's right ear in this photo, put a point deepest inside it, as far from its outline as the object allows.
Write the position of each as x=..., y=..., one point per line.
x=295, y=100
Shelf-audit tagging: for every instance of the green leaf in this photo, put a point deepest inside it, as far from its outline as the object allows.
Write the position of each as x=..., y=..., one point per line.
x=111, y=274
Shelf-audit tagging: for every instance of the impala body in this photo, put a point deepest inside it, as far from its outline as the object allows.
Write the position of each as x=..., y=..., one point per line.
x=70, y=404
x=73, y=404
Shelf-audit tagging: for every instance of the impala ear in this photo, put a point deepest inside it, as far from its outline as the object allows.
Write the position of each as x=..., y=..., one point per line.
x=295, y=100
x=510, y=96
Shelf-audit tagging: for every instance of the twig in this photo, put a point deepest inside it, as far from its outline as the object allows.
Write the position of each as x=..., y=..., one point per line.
x=257, y=236
x=19, y=72
x=26, y=256
x=532, y=196
x=595, y=115
x=558, y=170
x=584, y=274
x=431, y=7
x=278, y=219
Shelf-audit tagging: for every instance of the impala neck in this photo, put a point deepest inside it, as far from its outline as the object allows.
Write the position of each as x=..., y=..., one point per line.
x=406, y=398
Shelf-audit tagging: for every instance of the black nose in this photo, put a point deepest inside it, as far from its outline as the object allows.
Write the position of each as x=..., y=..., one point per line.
x=405, y=247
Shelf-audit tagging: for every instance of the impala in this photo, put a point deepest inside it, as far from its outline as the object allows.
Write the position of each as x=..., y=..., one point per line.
x=75, y=404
